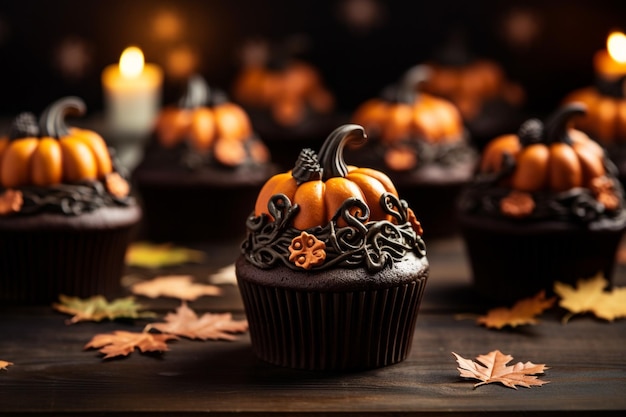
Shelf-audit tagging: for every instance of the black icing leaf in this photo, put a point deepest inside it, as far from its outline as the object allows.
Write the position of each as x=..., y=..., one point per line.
x=531, y=131
x=24, y=125
x=307, y=167
x=372, y=244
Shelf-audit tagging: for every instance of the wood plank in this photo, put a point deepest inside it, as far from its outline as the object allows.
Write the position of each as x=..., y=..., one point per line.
x=53, y=375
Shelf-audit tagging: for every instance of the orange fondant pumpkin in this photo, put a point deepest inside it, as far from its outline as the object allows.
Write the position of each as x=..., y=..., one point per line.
x=605, y=120
x=428, y=118
x=286, y=92
x=320, y=193
x=53, y=153
x=547, y=158
x=409, y=118
x=469, y=86
x=222, y=128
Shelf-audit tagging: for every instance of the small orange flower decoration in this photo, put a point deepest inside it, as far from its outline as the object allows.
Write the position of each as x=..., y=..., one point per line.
x=604, y=191
x=307, y=251
x=415, y=224
x=11, y=201
x=117, y=185
x=517, y=204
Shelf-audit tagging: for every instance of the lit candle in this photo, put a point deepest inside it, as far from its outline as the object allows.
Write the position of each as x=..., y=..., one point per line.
x=132, y=92
x=610, y=63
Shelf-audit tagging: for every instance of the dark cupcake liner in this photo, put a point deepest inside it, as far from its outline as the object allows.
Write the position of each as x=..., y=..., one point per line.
x=332, y=330
x=37, y=266
x=508, y=265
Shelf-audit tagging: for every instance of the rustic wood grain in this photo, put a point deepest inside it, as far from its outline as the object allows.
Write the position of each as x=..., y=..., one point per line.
x=53, y=375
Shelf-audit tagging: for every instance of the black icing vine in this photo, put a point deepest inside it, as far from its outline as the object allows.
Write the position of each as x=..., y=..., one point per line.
x=68, y=199
x=447, y=154
x=374, y=244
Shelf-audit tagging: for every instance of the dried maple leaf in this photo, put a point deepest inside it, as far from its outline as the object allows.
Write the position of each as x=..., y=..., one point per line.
x=523, y=312
x=97, y=308
x=122, y=343
x=225, y=275
x=185, y=322
x=589, y=297
x=175, y=286
x=4, y=364
x=148, y=255
x=492, y=367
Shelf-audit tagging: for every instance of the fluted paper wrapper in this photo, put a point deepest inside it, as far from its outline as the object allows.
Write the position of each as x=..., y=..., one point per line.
x=507, y=267
x=332, y=330
x=38, y=266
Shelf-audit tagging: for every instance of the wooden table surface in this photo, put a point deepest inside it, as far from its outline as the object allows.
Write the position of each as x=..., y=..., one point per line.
x=53, y=375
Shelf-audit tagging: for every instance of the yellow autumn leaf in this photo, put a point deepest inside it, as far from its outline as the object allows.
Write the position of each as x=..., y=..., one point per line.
x=589, y=296
x=150, y=255
x=98, y=308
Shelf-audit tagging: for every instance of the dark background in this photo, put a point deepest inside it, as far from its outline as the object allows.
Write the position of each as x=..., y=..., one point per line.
x=551, y=57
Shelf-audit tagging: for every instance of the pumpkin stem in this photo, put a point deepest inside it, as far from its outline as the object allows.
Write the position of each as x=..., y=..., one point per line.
x=556, y=126
x=413, y=78
x=307, y=167
x=52, y=120
x=331, y=154
x=197, y=93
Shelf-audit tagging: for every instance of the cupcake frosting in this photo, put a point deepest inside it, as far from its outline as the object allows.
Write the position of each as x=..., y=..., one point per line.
x=324, y=214
x=48, y=167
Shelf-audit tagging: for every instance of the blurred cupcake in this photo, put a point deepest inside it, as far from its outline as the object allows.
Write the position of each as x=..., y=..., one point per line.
x=333, y=268
x=546, y=206
x=489, y=102
x=605, y=120
x=66, y=216
x=286, y=98
x=419, y=140
x=203, y=166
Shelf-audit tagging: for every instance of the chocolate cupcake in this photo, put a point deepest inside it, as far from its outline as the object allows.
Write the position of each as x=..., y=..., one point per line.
x=545, y=206
x=66, y=216
x=419, y=140
x=286, y=98
x=490, y=103
x=333, y=269
x=201, y=169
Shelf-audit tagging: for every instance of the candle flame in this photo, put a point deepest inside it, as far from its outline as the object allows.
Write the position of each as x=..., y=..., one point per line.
x=616, y=45
x=131, y=62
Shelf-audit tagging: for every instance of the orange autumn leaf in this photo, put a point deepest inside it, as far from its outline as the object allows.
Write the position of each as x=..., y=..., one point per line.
x=185, y=322
x=123, y=343
x=175, y=286
x=590, y=296
x=4, y=365
x=493, y=367
x=523, y=312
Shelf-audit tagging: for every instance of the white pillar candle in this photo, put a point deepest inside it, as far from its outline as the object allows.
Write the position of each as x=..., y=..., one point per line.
x=610, y=63
x=132, y=92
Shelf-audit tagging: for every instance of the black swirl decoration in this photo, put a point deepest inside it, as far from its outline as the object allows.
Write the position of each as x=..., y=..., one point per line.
x=372, y=244
x=68, y=199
